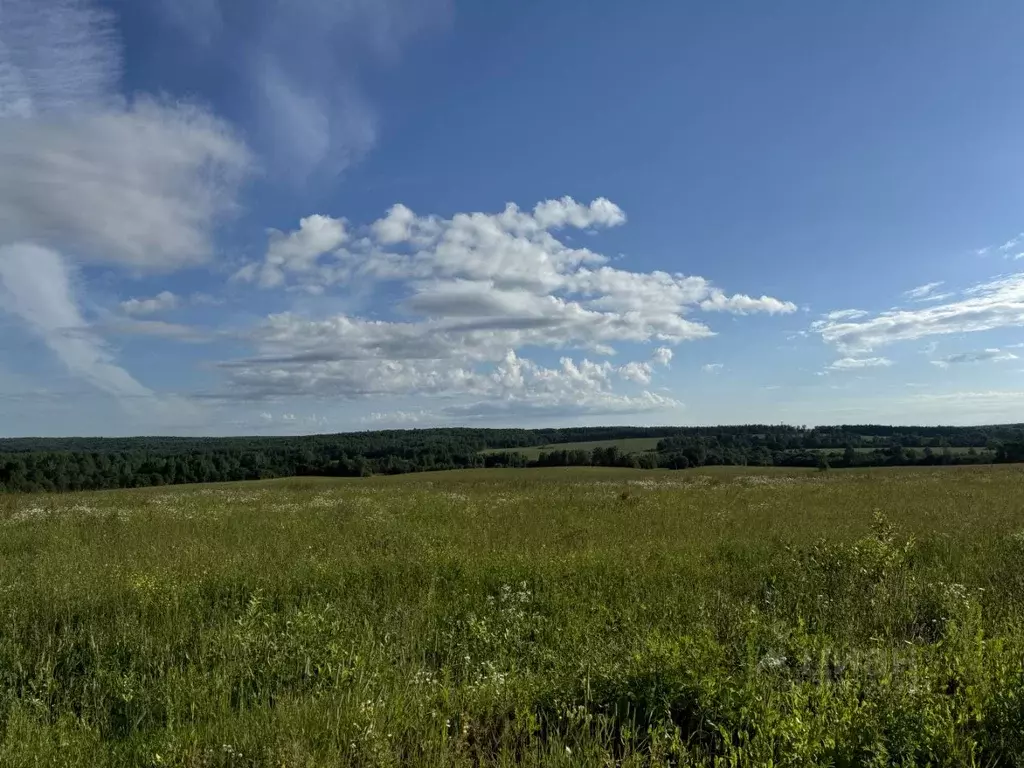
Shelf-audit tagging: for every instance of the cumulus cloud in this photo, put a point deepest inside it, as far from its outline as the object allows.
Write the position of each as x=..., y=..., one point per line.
x=712, y=367
x=162, y=302
x=510, y=265
x=638, y=372
x=984, y=355
x=741, y=304
x=514, y=381
x=470, y=292
x=995, y=304
x=296, y=252
x=554, y=214
x=856, y=363
x=396, y=227
x=662, y=356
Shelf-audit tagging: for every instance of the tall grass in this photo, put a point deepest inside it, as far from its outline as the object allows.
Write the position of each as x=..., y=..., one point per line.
x=543, y=617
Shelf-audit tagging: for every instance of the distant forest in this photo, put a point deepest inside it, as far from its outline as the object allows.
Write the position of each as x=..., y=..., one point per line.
x=72, y=464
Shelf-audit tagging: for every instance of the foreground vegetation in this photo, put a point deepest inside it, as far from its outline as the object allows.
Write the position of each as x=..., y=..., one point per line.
x=76, y=464
x=556, y=617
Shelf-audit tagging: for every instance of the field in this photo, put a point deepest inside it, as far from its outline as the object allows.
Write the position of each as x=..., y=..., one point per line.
x=643, y=444
x=540, y=617
x=937, y=451
x=625, y=445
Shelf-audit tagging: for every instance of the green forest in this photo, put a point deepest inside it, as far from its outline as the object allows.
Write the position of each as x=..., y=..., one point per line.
x=71, y=464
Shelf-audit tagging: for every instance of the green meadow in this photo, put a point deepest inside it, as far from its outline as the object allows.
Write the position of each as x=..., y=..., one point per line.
x=577, y=616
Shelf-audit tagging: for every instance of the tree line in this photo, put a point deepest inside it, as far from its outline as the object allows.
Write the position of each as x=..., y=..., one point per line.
x=70, y=464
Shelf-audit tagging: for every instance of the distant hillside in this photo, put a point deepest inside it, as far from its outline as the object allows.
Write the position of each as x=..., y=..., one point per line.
x=80, y=463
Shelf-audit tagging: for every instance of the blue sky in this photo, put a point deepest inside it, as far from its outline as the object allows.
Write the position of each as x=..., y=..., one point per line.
x=271, y=218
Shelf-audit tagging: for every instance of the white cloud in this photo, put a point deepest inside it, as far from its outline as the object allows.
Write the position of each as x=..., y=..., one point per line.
x=636, y=371
x=512, y=383
x=662, y=356
x=55, y=58
x=554, y=214
x=90, y=177
x=155, y=328
x=984, y=355
x=296, y=252
x=844, y=314
x=398, y=417
x=141, y=186
x=712, y=367
x=138, y=184
x=995, y=304
x=922, y=292
x=1012, y=245
x=162, y=302
x=856, y=363
x=35, y=285
x=296, y=68
x=992, y=406
x=309, y=125
x=623, y=291
x=396, y=227
x=205, y=300
x=471, y=292
x=509, y=264
x=532, y=407
x=741, y=304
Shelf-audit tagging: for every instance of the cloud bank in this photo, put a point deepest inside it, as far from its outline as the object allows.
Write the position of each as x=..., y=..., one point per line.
x=470, y=293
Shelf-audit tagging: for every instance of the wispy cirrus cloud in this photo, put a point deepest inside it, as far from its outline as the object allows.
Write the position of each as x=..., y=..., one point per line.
x=89, y=177
x=56, y=58
x=139, y=183
x=846, y=314
x=998, y=303
x=36, y=286
x=298, y=68
x=1010, y=249
x=163, y=301
x=927, y=292
x=859, y=363
x=983, y=355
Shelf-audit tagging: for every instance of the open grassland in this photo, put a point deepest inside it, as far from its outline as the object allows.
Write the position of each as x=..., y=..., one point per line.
x=625, y=445
x=938, y=451
x=557, y=617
